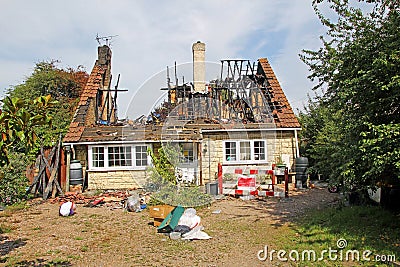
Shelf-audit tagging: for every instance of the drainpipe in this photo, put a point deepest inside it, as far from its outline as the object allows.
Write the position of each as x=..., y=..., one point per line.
x=209, y=161
x=297, y=144
x=200, y=161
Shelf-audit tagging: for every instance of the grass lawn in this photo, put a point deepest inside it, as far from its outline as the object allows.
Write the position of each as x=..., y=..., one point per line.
x=244, y=232
x=366, y=229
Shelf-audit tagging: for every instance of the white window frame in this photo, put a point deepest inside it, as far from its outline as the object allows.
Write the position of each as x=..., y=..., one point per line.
x=135, y=156
x=254, y=150
x=121, y=155
x=235, y=155
x=191, y=153
x=97, y=159
x=106, y=159
x=238, y=149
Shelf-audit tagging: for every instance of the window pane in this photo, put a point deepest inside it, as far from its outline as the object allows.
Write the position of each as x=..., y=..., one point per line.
x=259, y=150
x=230, y=151
x=119, y=156
x=187, y=152
x=98, y=156
x=126, y=159
x=141, y=155
x=245, y=152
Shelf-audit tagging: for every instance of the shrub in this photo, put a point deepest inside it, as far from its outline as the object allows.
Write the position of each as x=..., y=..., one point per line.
x=13, y=181
x=163, y=183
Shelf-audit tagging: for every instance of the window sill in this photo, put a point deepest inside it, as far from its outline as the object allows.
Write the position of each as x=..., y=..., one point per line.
x=105, y=169
x=249, y=162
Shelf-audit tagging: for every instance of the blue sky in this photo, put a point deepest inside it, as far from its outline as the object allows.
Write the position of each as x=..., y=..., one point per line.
x=155, y=34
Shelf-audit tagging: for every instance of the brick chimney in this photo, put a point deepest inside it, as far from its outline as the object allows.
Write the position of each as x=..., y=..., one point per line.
x=199, y=66
x=104, y=60
x=104, y=55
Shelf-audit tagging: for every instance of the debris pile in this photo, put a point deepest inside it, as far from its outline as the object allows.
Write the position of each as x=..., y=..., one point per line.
x=178, y=222
x=113, y=199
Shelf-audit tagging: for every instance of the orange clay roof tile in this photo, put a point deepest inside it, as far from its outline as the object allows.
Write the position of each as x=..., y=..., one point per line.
x=283, y=113
x=77, y=125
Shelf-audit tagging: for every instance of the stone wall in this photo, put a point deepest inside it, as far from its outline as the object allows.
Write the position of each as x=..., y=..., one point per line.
x=116, y=179
x=91, y=112
x=211, y=158
x=280, y=145
x=109, y=179
x=199, y=66
x=285, y=147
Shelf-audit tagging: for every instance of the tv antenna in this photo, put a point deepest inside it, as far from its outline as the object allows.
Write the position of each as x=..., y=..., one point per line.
x=105, y=39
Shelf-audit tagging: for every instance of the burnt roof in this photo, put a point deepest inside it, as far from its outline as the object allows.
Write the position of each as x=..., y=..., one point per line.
x=82, y=117
x=83, y=127
x=164, y=132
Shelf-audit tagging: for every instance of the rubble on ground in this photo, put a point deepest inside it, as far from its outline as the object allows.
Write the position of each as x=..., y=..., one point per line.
x=112, y=199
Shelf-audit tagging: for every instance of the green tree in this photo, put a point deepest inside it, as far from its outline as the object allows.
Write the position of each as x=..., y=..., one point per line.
x=63, y=85
x=357, y=69
x=18, y=131
x=19, y=121
x=25, y=121
x=13, y=181
x=163, y=169
x=322, y=139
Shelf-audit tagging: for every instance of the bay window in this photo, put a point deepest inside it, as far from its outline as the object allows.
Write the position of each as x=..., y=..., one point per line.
x=118, y=157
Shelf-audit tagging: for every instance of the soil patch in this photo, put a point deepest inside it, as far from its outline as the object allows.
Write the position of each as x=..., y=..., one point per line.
x=108, y=236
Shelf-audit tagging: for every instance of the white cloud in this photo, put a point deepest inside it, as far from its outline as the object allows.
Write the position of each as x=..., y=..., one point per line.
x=154, y=34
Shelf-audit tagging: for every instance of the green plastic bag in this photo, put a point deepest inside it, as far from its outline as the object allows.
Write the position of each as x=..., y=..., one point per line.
x=171, y=221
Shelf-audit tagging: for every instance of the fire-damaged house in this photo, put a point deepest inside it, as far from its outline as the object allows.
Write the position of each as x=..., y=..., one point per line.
x=240, y=120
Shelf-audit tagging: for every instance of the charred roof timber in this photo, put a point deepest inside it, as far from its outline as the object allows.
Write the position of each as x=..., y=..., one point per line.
x=106, y=102
x=246, y=91
x=97, y=104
